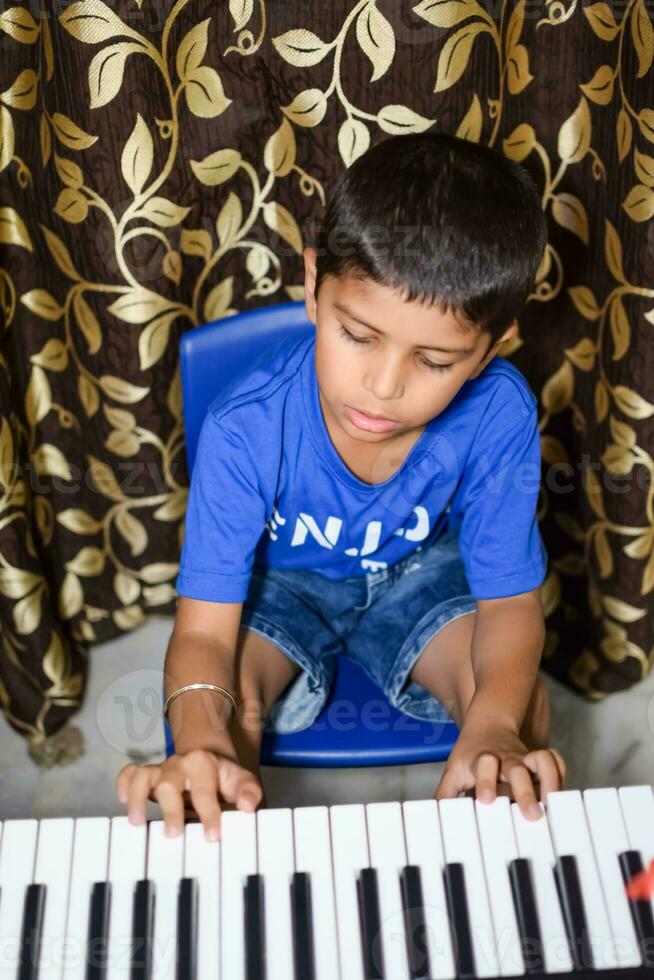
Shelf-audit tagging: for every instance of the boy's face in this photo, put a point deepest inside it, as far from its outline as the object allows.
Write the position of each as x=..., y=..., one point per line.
x=388, y=374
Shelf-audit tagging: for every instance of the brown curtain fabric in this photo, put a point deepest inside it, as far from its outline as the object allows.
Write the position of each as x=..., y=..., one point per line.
x=162, y=164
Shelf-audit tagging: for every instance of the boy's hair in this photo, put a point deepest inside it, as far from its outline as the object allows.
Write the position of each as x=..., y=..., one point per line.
x=445, y=220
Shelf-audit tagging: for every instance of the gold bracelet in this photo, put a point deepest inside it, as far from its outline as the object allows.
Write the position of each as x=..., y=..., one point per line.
x=194, y=687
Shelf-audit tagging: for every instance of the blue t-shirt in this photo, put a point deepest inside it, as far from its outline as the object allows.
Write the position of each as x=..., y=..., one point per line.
x=269, y=488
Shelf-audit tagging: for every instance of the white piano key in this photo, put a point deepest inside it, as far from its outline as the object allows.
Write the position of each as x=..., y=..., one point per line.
x=165, y=867
x=350, y=855
x=388, y=855
x=276, y=863
x=637, y=806
x=534, y=842
x=127, y=854
x=17, y=860
x=54, y=858
x=238, y=859
x=202, y=861
x=570, y=835
x=425, y=849
x=90, y=864
x=313, y=854
x=609, y=838
x=461, y=844
x=499, y=848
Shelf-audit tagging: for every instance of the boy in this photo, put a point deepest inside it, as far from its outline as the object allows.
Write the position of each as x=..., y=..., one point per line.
x=371, y=488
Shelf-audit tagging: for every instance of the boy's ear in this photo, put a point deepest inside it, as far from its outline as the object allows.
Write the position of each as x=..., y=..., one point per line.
x=509, y=332
x=309, y=255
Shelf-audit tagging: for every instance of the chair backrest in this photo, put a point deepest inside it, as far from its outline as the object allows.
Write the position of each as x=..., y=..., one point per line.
x=213, y=355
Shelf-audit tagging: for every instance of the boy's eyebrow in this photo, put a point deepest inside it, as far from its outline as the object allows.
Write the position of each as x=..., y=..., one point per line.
x=442, y=350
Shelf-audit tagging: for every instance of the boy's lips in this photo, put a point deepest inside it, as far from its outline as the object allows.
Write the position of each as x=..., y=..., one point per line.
x=367, y=422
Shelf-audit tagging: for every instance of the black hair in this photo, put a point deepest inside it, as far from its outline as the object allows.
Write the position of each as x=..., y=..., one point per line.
x=446, y=220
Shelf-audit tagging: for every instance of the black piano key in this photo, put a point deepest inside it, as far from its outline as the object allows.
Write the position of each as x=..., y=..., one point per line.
x=524, y=901
x=97, y=943
x=30, y=940
x=457, y=908
x=415, y=928
x=370, y=924
x=631, y=863
x=142, y=930
x=574, y=914
x=303, y=949
x=255, y=929
x=186, y=966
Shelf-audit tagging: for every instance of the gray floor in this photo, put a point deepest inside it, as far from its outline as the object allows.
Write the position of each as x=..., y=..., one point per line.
x=610, y=743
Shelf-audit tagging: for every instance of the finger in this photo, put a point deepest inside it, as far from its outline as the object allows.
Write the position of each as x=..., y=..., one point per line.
x=523, y=789
x=563, y=769
x=452, y=782
x=202, y=784
x=123, y=779
x=543, y=764
x=168, y=794
x=137, y=794
x=486, y=770
x=238, y=785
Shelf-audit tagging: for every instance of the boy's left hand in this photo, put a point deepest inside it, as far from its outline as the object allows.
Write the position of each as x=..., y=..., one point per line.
x=485, y=754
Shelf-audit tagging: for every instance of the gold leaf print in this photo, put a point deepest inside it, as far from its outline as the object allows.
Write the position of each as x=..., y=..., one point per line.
x=241, y=11
x=518, y=74
x=449, y=13
x=279, y=219
x=60, y=254
x=613, y=251
x=455, y=54
x=50, y=461
x=639, y=203
x=54, y=661
x=601, y=19
x=162, y=212
x=138, y=305
x=47, y=48
x=196, y=242
x=7, y=138
x=644, y=167
x=376, y=38
x=154, y=339
x=70, y=134
x=68, y=172
x=205, y=96
x=41, y=302
x=600, y=88
x=38, y=396
x=78, y=521
x=15, y=583
x=624, y=133
x=192, y=49
x=620, y=329
x=353, y=140
x=217, y=167
x=106, y=71
x=71, y=596
x=229, y=220
x=584, y=300
x=121, y=390
x=471, y=125
x=574, y=134
x=280, y=149
x=53, y=355
x=219, y=299
x=128, y=619
x=594, y=492
x=520, y=143
x=159, y=572
x=71, y=206
x=44, y=137
x=122, y=443
x=640, y=547
x=88, y=323
x=623, y=434
x=631, y=403
x=137, y=156
x=27, y=613
x=646, y=123
x=104, y=479
x=557, y=391
x=621, y=610
x=88, y=395
x=569, y=212
x=22, y=94
x=582, y=354
x=92, y=21
x=18, y=23
x=601, y=401
x=133, y=532
x=400, y=119
x=127, y=588
x=642, y=35
x=301, y=48
x=308, y=108
x=13, y=230
x=172, y=266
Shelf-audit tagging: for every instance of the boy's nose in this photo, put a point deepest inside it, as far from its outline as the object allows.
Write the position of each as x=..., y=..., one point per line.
x=385, y=382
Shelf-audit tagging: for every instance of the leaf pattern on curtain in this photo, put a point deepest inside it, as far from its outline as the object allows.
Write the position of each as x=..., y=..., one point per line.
x=162, y=165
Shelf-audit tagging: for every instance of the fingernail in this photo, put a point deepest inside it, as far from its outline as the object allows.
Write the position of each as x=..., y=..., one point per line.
x=249, y=801
x=212, y=834
x=134, y=816
x=535, y=810
x=122, y=796
x=172, y=830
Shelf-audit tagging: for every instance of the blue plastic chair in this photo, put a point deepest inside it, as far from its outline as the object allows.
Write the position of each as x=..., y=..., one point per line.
x=357, y=726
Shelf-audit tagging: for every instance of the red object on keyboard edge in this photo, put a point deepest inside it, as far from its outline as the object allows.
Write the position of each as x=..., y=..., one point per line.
x=641, y=886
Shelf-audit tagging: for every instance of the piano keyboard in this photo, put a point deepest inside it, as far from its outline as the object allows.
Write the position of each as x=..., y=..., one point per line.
x=390, y=891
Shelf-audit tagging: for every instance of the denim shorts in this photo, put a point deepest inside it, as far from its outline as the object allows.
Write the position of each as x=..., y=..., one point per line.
x=382, y=619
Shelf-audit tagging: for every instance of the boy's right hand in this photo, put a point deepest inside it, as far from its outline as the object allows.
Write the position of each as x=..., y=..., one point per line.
x=199, y=776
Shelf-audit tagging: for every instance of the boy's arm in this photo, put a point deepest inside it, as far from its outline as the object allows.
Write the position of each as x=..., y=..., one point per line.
x=202, y=650
x=506, y=649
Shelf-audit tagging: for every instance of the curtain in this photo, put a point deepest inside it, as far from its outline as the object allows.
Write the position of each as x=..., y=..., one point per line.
x=163, y=164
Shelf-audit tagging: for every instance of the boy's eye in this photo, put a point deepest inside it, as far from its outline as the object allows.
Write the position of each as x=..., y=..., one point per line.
x=359, y=340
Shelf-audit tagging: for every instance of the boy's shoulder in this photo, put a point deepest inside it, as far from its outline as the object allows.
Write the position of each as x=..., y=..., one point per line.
x=270, y=378
x=500, y=397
